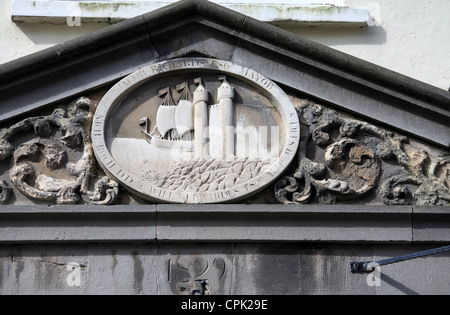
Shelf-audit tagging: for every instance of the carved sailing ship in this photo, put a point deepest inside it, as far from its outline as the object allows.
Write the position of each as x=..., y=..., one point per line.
x=190, y=125
x=174, y=122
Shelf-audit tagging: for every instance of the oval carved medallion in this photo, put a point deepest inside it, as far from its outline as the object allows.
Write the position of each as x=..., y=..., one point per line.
x=195, y=130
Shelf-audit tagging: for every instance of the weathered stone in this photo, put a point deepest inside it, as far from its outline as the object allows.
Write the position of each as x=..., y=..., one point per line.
x=42, y=128
x=355, y=157
x=6, y=149
x=55, y=156
x=28, y=151
x=36, y=161
x=192, y=145
x=5, y=192
x=105, y=192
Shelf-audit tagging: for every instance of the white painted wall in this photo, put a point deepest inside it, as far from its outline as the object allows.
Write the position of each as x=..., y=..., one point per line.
x=20, y=39
x=413, y=37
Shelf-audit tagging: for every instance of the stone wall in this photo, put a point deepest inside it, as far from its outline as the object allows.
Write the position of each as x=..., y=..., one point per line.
x=230, y=268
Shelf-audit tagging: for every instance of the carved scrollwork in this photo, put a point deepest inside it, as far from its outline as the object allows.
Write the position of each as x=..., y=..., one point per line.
x=5, y=192
x=57, y=165
x=355, y=170
x=105, y=192
x=395, y=191
x=285, y=186
x=350, y=158
x=429, y=177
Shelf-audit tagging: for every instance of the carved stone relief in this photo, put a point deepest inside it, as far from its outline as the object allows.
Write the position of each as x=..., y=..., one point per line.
x=343, y=159
x=195, y=130
x=50, y=158
x=52, y=161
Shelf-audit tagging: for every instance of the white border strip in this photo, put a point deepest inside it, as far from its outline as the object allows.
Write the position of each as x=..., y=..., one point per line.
x=58, y=11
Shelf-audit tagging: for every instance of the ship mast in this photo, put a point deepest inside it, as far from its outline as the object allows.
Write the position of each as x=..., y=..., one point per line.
x=184, y=113
x=165, y=117
x=168, y=100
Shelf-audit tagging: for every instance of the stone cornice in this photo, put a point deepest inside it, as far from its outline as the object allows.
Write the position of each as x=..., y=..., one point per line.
x=224, y=223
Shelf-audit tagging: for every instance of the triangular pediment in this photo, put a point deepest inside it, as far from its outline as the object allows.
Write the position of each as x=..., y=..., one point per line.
x=374, y=110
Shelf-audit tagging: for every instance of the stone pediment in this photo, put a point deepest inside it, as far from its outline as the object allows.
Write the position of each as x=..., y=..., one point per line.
x=348, y=131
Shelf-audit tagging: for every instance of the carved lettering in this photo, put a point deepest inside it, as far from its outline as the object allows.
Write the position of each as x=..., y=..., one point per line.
x=202, y=152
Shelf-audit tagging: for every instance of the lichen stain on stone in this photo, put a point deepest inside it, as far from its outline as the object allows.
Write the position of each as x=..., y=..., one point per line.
x=114, y=261
x=18, y=267
x=287, y=13
x=107, y=6
x=138, y=272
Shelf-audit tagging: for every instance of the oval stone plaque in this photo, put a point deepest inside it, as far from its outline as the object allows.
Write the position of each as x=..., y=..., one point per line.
x=195, y=130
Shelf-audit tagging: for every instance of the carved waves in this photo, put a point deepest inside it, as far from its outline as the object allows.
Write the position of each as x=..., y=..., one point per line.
x=52, y=160
x=343, y=159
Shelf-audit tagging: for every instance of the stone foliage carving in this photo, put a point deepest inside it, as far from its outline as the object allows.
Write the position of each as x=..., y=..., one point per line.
x=49, y=159
x=342, y=159
x=52, y=159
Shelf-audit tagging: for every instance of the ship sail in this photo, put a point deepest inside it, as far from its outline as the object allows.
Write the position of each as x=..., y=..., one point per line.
x=174, y=122
x=165, y=119
x=183, y=117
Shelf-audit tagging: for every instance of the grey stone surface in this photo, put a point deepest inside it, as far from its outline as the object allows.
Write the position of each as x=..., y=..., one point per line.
x=72, y=223
x=431, y=224
x=231, y=223
x=122, y=269
x=207, y=38
x=410, y=277
x=242, y=269
x=284, y=223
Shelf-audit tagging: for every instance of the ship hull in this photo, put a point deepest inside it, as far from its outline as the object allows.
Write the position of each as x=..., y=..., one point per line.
x=182, y=145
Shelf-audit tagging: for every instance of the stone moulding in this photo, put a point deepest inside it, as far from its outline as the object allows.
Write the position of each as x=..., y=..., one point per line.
x=225, y=223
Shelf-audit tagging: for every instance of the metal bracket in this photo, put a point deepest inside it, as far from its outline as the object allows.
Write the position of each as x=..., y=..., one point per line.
x=204, y=287
x=369, y=266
